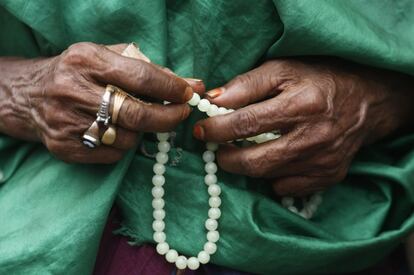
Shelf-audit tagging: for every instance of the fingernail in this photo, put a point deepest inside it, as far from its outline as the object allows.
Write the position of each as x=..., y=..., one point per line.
x=215, y=92
x=198, y=132
x=186, y=112
x=196, y=84
x=188, y=93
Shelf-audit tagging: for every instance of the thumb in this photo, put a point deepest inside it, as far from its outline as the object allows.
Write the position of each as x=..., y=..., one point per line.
x=248, y=88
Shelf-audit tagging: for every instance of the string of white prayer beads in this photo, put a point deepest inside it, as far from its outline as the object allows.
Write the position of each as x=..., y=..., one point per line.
x=214, y=213
x=309, y=206
x=214, y=190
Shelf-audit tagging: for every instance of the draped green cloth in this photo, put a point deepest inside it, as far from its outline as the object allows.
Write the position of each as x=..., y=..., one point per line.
x=52, y=213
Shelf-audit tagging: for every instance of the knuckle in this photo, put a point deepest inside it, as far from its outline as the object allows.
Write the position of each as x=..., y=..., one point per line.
x=142, y=74
x=78, y=53
x=245, y=124
x=314, y=101
x=61, y=82
x=134, y=113
x=252, y=166
x=326, y=133
x=244, y=79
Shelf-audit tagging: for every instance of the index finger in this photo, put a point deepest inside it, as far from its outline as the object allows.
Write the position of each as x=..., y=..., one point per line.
x=246, y=122
x=140, y=78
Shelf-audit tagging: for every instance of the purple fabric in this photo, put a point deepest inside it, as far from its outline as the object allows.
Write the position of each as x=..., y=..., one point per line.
x=117, y=257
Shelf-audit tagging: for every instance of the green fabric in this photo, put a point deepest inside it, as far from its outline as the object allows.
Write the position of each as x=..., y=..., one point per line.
x=52, y=213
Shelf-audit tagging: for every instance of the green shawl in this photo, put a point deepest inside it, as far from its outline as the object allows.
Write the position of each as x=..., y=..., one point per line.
x=52, y=214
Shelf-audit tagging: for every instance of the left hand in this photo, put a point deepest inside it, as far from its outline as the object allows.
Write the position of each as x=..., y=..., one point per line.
x=325, y=113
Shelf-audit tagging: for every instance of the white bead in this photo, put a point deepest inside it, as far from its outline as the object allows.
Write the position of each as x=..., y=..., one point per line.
x=157, y=192
x=250, y=138
x=214, y=213
x=312, y=207
x=158, y=180
x=316, y=199
x=222, y=111
x=158, y=203
x=210, y=179
x=214, y=190
x=270, y=136
x=293, y=209
x=163, y=136
x=212, y=146
x=287, y=201
x=161, y=157
x=171, y=256
x=210, y=168
x=181, y=262
x=194, y=100
x=165, y=102
x=213, y=110
x=213, y=236
x=260, y=138
x=162, y=248
x=208, y=156
x=158, y=226
x=193, y=263
x=210, y=248
x=305, y=214
x=214, y=201
x=158, y=214
x=203, y=105
x=158, y=169
x=211, y=224
x=159, y=237
x=203, y=257
x=164, y=146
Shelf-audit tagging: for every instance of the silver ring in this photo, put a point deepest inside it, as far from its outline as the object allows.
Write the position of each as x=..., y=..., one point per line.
x=103, y=114
x=91, y=136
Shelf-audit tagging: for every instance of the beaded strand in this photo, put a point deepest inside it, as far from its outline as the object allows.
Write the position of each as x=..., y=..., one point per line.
x=211, y=224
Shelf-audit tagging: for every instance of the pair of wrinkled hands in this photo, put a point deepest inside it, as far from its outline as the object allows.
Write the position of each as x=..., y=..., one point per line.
x=326, y=109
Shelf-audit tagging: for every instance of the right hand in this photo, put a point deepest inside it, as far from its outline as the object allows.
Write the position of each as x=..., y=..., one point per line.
x=66, y=92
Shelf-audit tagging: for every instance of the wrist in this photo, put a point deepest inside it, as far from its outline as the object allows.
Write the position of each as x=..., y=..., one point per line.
x=21, y=80
x=390, y=100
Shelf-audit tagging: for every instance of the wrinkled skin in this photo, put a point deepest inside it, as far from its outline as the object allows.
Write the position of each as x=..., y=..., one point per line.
x=325, y=111
x=54, y=100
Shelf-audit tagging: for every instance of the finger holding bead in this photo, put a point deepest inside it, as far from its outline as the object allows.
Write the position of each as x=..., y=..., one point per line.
x=252, y=120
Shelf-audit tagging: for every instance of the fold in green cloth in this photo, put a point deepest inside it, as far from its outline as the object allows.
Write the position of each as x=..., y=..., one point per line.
x=52, y=213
